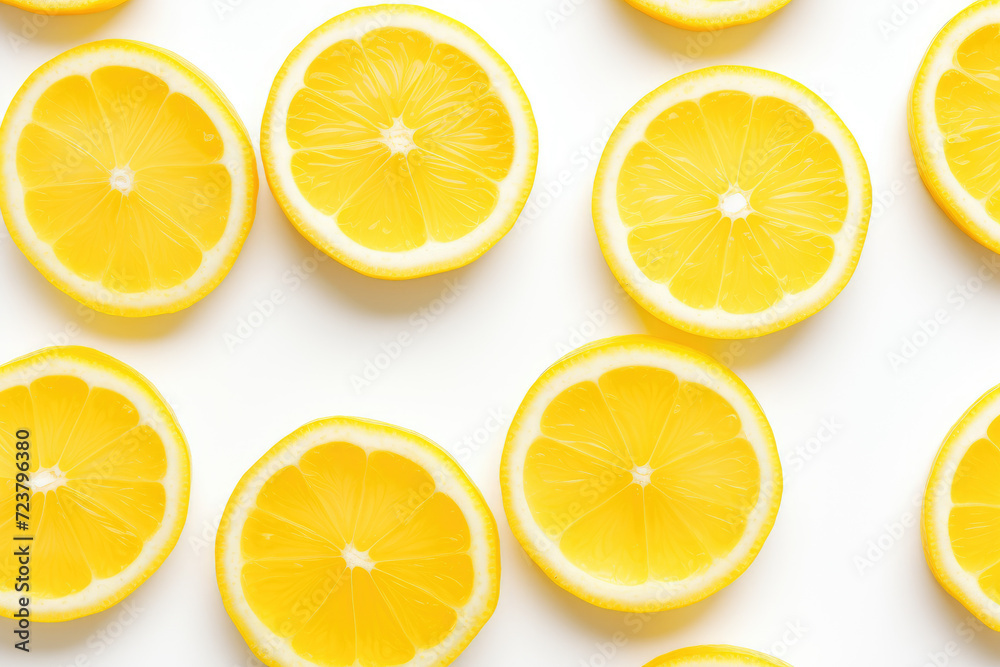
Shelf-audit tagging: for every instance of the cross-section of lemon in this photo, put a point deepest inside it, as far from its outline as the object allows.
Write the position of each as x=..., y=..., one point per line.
x=398, y=142
x=126, y=178
x=54, y=7
x=732, y=202
x=708, y=14
x=954, y=119
x=94, y=480
x=640, y=475
x=961, y=517
x=716, y=656
x=357, y=543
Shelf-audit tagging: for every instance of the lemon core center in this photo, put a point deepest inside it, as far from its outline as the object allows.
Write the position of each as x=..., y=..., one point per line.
x=47, y=479
x=641, y=475
x=735, y=205
x=122, y=179
x=398, y=138
x=355, y=558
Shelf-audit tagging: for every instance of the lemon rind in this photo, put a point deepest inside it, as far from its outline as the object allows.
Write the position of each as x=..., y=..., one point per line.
x=715, y=322
x=320, y=229
x=60, y=7
x=99, y=369
x=238, y=157
x=587, y=363
x=960, y=583
x=370, y=435
x=926, y=140
x=702, y=15
x=717, y=654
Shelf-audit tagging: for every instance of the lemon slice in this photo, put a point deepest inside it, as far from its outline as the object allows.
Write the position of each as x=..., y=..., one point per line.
x=955, y=123
x=398, y=142
x=640, y=475
x=732, y=202
x=708, y=14
x=105, y=491
x=720, y=656
x=357, y=543
x=961, y=517
x=126, y=178
x=64, y=6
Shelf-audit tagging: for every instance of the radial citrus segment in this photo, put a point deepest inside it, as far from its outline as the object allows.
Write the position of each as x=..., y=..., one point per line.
x=636, y=478
x=353, y=541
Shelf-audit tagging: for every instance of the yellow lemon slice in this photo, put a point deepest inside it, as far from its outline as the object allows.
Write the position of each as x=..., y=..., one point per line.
x=94, y=482
x=126, y=178
x=961, y=517
x=732, y=202
x=708, y=14
x=717, y=656
x=357, y=543
x=64, y=6
x=640, y=475
x=398, y=142
x=955, y=123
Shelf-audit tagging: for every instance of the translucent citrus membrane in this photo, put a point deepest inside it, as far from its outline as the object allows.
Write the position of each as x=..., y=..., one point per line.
x=356, y=558
x=967, y=105
x=974, y=521
x=400, y=138
x=123, y=179
x=95, y=477
x=640, y=476
x=732, y=201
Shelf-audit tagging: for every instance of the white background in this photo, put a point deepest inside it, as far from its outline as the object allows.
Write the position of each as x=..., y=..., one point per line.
x=856, y=427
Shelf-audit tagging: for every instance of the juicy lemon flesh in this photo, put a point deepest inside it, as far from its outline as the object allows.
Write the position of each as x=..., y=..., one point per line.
x=123, y=179
x=400, y=139
x=96, y=492
x=641, y=477
x=974, y=520
x=967, y=107
x=732, y=201
x=356, y=558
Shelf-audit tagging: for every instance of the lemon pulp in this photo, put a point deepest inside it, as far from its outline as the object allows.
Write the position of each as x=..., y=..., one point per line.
x=354, y=557
x=732, y=201
x=96, y=491
x=974, y=519
x=640, y=476
x=967, y=108
x=400, y=138
x=124, y=179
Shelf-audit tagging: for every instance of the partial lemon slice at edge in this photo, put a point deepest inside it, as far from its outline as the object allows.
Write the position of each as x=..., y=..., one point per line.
x=56, y=7
x=708, y=14
x=721, y=655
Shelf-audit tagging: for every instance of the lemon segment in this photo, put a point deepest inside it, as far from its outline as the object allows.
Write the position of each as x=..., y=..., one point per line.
x=708, y=14
x=57, y=7
x=954, y=121
x=961, y=514
x=640, y=475
x=732, y=202
x=353, y=542
x=108, y=480
x=127, y=179
x=403, y=149
x=718, y=656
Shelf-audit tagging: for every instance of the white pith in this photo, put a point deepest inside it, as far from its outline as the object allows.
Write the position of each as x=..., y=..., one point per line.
x=656, y=297
x=449, y=479
x=938, y=505
x=84, y=61
x=930, y=140
x=321, y=228
x=589, y=365
x=175, y=481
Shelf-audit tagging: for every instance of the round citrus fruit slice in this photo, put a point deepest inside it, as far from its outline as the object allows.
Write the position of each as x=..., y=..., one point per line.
x=126, y=178
x=55, y=7
x=716, y=656
x=708, y=14
x=94, y=482
x=961, y=515
x=640, y=475
x=398, y=142
x=954, y=123
x=357, y=543
x=732, y=202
